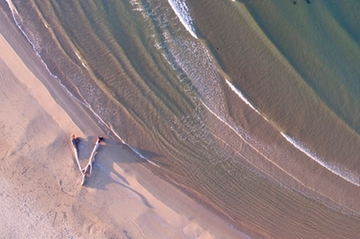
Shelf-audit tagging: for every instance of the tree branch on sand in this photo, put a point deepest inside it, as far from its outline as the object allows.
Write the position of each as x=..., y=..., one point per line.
x=88, y=168
x=75, y=143
x=86, y=171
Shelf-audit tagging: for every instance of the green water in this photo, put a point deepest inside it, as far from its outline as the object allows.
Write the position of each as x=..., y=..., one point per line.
x=169, y=96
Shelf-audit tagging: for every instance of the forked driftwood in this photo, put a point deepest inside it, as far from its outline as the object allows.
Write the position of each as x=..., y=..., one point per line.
x=75, y=142
x=88, y=168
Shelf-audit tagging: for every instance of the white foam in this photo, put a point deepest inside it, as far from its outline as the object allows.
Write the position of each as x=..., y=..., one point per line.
x=343, y=173
x=135, y=150
x=246, y=141
x=18, y=21
x=241, y=95
x=35, y=45
x=182, y=11
x=81, y=60
x=12, y=7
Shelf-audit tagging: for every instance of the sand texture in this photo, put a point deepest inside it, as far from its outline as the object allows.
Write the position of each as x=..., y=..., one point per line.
x=40, y=191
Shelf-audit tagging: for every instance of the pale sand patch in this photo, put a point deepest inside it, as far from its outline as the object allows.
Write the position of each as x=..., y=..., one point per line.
x=40, y=192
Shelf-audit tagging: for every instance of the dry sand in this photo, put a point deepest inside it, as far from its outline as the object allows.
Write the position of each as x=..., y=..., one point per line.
x=40, y=191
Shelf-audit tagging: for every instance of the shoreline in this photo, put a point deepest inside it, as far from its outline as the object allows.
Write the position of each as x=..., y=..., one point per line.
x=122, y=198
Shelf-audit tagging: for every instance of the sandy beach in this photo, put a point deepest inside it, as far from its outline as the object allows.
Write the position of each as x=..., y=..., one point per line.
x=40, y=192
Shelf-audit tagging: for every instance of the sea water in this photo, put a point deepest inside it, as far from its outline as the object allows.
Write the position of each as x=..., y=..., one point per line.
x=251, y=107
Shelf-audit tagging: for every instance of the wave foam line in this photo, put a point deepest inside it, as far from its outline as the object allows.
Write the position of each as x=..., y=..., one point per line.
x=182, y=11
x=278, y=166
x=243, y=98
x=142, y=156
x=251, y=146
x=17, y=20
x=12, y=7
x=348, y=176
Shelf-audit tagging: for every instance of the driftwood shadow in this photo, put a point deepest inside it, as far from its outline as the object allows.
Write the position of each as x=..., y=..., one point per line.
x=94, y=182
x=111, y=154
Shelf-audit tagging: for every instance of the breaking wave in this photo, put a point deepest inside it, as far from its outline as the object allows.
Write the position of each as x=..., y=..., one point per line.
x=343, y=173
x=182, y=11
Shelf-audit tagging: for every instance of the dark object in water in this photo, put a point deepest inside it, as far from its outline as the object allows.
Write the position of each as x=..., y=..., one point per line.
x=308, y=1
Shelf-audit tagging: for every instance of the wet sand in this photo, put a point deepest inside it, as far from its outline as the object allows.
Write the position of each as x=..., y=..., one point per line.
x=40, y=193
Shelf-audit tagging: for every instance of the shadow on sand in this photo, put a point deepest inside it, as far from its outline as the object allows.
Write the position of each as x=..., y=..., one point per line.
x=109, y=154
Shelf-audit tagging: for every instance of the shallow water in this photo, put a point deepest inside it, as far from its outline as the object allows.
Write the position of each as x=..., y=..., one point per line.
x=252, y=107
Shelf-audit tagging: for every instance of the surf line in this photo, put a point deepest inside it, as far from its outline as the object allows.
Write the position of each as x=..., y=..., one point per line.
x=182, y=11
x=253, y=147
x=241, y=95
x=142, y=156
x=348, y=176
x=87, y=170
x=344, y=174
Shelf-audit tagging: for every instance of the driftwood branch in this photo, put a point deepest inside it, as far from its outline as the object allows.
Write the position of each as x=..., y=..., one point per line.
x=87, y=170
x=75, y=142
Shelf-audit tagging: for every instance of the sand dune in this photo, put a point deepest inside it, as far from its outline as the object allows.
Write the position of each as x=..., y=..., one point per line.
x=40, y=192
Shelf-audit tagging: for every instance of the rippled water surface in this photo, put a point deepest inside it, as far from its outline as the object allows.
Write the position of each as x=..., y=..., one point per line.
x=252, y=107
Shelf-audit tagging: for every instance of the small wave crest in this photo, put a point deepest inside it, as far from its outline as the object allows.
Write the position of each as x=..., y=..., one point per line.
x=241, y=95
x=36, y=44
x=12, y=7
x=243, y=98
x=182, y=11
x=343, y=173
x=135, y=150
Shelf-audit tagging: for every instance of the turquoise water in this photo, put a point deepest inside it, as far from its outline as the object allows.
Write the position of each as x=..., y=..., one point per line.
x=252, y=107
